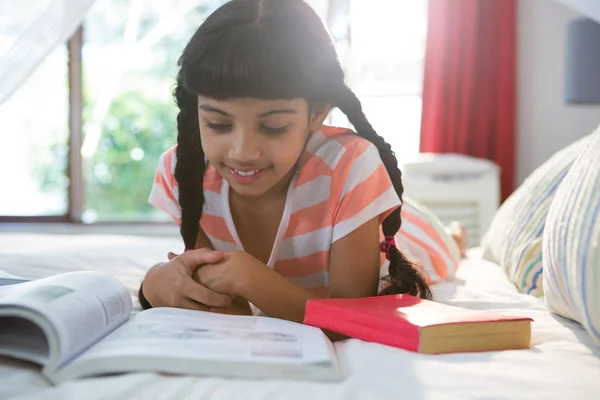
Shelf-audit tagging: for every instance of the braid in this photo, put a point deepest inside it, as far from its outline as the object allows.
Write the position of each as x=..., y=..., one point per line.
x=403, y=275
x=190, y=166
x=189, y=172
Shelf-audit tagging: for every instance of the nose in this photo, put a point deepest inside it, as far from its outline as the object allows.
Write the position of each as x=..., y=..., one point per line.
x=245, y=148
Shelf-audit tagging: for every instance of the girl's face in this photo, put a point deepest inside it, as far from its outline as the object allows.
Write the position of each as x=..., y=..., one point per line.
x=254, y=144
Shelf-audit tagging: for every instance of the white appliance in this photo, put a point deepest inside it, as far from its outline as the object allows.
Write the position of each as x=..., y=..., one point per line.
x=456, y=188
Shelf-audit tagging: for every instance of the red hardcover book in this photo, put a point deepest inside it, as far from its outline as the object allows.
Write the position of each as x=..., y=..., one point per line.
x=419, y=325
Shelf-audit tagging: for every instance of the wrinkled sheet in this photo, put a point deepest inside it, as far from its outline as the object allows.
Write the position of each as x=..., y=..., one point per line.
x=562, y=363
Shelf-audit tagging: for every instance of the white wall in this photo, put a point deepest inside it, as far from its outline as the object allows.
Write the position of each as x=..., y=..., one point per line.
x=545, y=123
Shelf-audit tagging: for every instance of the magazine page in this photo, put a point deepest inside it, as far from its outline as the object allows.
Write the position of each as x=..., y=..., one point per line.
x=73, y=310
x=186, y=341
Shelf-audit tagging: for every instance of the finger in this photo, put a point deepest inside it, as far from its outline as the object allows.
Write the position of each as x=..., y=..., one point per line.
x=171, y=255
x=200, y=293
x=194, y=258
x=231, y=310
x=190, y=304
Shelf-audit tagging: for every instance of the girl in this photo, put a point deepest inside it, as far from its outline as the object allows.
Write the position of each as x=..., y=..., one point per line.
x=279, y=208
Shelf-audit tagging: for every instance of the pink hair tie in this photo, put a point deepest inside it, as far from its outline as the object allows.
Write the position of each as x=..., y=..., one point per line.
x=187, y=250
x=386, y=245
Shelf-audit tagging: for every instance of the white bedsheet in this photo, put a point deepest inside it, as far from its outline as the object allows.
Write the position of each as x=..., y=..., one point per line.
x=563, y=363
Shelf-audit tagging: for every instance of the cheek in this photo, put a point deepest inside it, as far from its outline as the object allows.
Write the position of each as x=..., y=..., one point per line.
x=285, y=153
x=212, y=147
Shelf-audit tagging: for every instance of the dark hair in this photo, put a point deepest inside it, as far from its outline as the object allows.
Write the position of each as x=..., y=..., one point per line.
x=270, y=49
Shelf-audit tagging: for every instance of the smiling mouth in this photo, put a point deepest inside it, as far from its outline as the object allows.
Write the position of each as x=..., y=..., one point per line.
x=245, y=173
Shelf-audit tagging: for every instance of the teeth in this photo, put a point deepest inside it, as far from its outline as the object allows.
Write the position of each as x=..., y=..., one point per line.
x=246, y=173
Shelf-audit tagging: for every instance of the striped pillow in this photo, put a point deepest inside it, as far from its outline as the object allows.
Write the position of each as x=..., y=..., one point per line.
x=514, y=240
x=571, y=244
x=423, y=239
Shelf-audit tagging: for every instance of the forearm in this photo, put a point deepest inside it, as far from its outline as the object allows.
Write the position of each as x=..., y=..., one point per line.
x=279, y=298
x=238, y=306
x=275, y=295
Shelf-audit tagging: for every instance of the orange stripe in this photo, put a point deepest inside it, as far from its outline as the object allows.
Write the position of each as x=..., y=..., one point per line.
x=169, y=170
x=333, y=131
x=363, y=194
x=212, y=180
x=322, y=214
x=358, y=146
x=310, y=219
x=427, y=228
x=439, y=265
x=159, y=180
x=343, y=168
x=312, y=264
x=312, y=167
x=216, y=227
x=350, y=141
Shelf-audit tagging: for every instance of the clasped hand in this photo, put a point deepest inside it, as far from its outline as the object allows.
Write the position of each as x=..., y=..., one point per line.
x=200, y=279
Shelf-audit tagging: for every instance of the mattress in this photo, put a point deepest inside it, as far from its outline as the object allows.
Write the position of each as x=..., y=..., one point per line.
x=562, y=363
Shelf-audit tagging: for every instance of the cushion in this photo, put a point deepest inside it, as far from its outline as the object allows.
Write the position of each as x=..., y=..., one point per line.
x=514, y=239
x=571, y=243
x=424, y=240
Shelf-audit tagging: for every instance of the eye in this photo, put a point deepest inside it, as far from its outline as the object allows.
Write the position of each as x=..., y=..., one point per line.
x=274, y=131
x=220, y=128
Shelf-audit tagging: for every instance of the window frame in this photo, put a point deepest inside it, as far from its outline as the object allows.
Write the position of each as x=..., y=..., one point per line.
x=75, y=124
x=75, y=174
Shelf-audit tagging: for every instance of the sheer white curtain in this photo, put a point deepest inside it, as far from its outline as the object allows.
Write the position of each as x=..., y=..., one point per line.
x=29, y=31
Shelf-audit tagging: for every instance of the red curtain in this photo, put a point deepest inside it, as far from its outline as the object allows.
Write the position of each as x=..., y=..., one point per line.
x=469, y=88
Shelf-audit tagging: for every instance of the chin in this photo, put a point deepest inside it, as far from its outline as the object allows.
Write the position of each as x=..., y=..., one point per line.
x=261, y=187
x=249, y=190
x=254, y=189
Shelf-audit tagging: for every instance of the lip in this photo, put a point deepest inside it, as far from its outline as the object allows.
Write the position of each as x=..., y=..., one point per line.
x=245, y=179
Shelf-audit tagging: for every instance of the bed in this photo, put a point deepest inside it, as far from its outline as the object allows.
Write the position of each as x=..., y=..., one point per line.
x=562, y=363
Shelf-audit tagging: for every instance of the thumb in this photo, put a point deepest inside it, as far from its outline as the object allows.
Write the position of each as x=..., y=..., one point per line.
x=192, y=259
x=171, y=255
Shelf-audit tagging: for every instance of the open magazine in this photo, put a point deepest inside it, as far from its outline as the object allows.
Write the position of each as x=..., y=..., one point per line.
x=80, y=324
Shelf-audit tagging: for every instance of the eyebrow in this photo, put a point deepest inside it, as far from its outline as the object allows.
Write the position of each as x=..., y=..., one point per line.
x=279, y=111
x=208, y=108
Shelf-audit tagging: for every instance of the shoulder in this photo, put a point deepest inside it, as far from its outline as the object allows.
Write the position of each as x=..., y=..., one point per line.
x=345, y=152
x=360, y=187
x=166, y=166
x=331, y=150
x=338, y=161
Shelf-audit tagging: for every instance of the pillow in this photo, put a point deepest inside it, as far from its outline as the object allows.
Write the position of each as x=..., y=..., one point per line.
x=571, y=243
x=514, y=239
x=424, y=240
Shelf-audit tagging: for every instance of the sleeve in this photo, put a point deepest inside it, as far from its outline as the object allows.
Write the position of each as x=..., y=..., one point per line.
x=362, y=188
x=164, y=193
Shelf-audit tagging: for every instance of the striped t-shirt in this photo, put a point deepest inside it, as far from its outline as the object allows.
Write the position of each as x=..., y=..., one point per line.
x=340, y=184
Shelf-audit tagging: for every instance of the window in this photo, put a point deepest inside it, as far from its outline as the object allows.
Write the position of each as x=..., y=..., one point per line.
x=385, y=68
x=128, y=64
x=129, y=60
x=33, y=149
